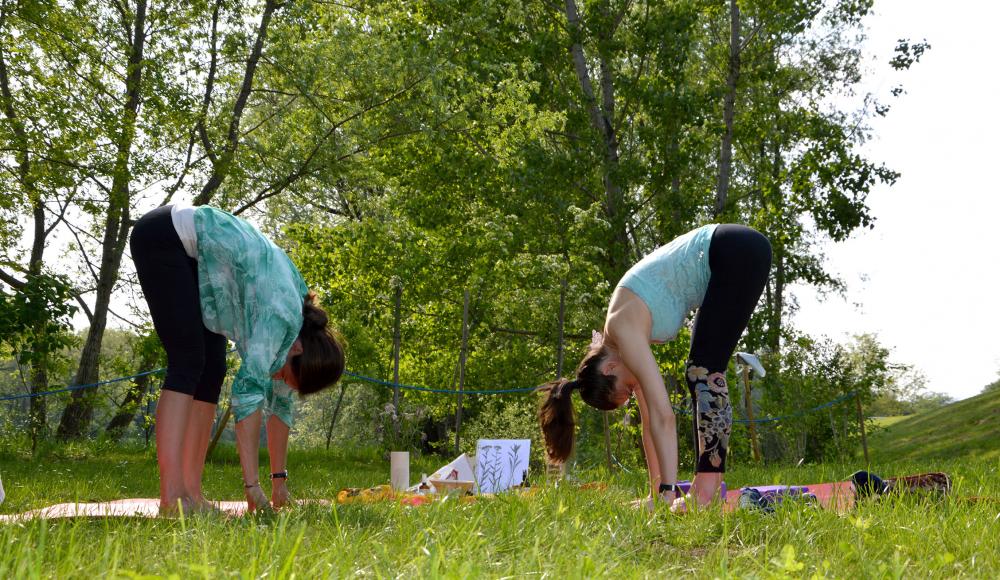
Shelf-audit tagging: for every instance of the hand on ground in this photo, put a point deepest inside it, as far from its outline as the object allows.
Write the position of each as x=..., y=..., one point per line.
x=279, y=493
x=684, y=504
x=644, y=502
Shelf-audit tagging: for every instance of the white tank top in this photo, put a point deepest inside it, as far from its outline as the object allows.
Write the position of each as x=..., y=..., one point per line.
x=183, y=217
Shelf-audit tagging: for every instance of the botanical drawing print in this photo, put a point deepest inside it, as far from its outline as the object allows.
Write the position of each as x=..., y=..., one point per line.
x=490, y=468
x=513, y=462
x=496, y=469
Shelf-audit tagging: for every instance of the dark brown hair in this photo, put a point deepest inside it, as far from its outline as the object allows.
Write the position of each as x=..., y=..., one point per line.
x=556, y=411
x=322, y=360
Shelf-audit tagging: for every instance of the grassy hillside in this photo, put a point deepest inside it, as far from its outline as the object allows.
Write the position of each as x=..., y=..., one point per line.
x=968, y=428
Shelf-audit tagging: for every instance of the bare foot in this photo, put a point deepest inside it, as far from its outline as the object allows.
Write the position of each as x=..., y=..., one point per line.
x=204, y=506
x=690, y=503
x=173, y=508
x=684, y=504
x=256, y=500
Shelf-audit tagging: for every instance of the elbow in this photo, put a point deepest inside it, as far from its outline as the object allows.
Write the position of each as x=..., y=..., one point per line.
x=665, y=417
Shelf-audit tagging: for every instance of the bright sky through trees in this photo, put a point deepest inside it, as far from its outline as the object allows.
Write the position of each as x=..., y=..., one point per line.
x=926, y=279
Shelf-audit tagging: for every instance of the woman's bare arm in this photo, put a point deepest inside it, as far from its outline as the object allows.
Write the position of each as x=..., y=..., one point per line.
x=634, y=351
x=248, y=446
x=277, y=451
x=648, y=447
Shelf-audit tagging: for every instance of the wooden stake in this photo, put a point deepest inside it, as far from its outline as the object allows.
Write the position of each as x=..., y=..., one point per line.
x=607, y=439
x=395, y=356
x=218, y=431
x=461, y=372
x=861, y=423
x=336, y=411
x=749, y=402
x=562, y=335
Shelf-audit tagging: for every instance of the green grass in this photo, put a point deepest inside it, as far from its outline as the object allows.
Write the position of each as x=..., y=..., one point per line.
x=889, y=421
x=559, y=532
x=969, y=428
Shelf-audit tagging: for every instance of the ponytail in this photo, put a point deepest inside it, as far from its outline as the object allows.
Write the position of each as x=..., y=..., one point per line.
x=556, y=418
x=322, y=360
x=556, y=412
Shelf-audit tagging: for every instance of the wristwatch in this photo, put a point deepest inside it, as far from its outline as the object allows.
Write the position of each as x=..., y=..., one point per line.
x=678, y=492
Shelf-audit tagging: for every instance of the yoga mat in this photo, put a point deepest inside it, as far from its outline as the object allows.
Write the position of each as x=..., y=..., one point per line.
x=135, y=507
x=837, y=496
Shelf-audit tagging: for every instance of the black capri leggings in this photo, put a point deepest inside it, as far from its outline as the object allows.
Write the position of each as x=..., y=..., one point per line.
x=196, y=356
x=739, y=258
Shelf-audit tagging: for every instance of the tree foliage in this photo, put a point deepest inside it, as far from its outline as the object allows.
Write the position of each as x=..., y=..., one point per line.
x=526, y=152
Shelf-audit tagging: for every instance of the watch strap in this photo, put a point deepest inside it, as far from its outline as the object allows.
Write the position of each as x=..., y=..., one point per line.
x=678, y=492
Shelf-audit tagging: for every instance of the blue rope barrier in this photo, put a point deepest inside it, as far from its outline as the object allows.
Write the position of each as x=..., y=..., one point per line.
x=679, y=410
x=88, y=386
x=79, y=387
x=441, y=391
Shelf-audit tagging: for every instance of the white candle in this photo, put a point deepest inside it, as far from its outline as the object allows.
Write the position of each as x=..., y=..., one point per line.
x=399, y=470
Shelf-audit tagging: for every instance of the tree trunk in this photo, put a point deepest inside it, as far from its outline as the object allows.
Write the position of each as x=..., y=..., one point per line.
x=602, y=119
x=776, y=291
x=39, y=342
x=728, y=112
x=38, y=411
x=133, y=399
x=78, y=414
x=774, y=325
x=39, y=376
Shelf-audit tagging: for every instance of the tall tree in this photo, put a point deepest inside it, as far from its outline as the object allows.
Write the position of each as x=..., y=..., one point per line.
x=38, y=149
x=153, y=48
x=729, y=106
x=117, y=222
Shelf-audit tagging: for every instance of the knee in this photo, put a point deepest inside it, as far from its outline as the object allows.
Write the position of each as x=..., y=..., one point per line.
x=184, y=370
x=210, y=384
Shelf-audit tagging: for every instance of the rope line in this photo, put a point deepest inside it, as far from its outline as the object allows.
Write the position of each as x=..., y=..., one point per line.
x=441, y=391
x=79, y=387
x=679, y=410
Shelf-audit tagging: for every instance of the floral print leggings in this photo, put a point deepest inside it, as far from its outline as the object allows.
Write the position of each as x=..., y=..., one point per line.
x=739, y=258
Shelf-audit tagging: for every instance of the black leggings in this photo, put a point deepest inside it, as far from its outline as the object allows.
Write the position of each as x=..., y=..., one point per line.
x=196, y=356
x=739, y=258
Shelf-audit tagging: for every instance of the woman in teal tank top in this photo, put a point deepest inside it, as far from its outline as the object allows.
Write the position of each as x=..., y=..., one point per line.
x=719, y=271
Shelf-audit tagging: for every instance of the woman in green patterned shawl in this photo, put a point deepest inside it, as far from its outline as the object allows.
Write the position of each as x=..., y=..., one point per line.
x=209, y=277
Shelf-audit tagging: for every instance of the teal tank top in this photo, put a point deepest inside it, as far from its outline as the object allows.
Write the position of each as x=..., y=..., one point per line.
x=672, y=280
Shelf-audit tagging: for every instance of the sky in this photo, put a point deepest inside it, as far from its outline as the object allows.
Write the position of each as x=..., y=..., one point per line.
x=926, y=279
